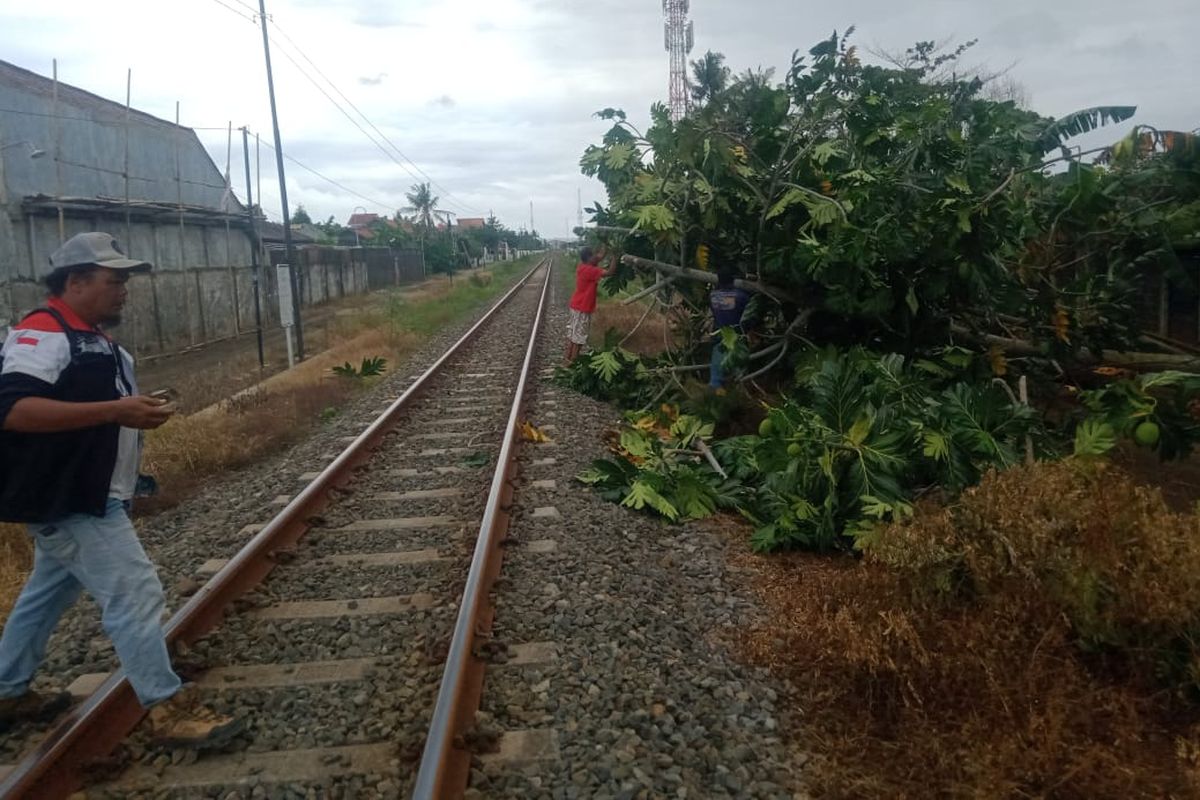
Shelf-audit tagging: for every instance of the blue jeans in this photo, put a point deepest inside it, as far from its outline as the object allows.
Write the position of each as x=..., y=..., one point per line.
x=103, y=556
x=715, y=377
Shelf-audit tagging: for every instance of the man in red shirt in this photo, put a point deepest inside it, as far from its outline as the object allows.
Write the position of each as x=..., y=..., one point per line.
x=583, y=302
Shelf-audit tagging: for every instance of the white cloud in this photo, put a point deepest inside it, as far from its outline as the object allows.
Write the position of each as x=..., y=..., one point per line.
x=524, y=76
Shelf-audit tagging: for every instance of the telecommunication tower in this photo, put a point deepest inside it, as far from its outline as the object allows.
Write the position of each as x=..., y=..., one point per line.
x=680, y=39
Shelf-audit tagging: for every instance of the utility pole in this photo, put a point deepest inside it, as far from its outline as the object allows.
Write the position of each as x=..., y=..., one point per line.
x=579, y=193
x=287, y=217
x=532, y=227
x=679, y=39
x=254, y=246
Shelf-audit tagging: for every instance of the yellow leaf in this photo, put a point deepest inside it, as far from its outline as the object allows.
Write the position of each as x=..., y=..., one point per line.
x=532, y=434
x=859, y=431
x=998, y=361
x=646, y=423
x=702, y=254
x=1062, y=323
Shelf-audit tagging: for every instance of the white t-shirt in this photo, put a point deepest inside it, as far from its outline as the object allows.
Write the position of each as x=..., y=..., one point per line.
x=129, y=445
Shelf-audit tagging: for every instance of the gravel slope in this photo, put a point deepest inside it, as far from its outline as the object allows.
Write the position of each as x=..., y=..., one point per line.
x=644, y=699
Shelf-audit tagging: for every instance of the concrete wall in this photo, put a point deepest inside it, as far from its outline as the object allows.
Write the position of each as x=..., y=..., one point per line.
x=386, y=267
x=202, y=286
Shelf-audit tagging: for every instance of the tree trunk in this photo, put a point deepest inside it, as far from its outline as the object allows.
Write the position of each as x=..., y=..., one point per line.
x=707, y=277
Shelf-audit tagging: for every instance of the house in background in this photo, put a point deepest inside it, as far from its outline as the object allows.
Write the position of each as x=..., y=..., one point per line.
x=147, y=181
x=71, y=161
x=360, y=226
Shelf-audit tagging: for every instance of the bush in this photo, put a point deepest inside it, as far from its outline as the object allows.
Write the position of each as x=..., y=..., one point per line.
x=480, y=279
x=1106, y=554
x=1014, y=644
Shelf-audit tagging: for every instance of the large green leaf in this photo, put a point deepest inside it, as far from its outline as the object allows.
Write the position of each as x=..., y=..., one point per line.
x=606, y=365
x=642, y=494
x=619, y=155
x=1080, y=122
x=655, y=218
x=1094, y=437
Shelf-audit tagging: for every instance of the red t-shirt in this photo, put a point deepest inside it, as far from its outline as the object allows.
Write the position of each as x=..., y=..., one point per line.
x=587, y=278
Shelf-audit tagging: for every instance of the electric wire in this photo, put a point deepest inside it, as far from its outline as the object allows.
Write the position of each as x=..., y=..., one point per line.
x=414, y=175
x=241, y=14
x=450, y=197
x=253, y=11
x=329, y=180
x=417, y=176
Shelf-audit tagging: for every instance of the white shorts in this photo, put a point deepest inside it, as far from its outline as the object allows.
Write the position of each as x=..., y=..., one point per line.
x=579, y=325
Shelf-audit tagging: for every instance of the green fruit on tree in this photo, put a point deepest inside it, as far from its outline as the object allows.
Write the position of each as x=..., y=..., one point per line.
x=794, y=450
x=1147, y=434
x=766, y=428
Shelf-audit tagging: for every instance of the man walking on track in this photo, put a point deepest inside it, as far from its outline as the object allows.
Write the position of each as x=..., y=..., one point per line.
x=70, y=433
x=583, y=303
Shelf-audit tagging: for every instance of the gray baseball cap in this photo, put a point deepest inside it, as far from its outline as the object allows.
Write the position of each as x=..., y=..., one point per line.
x=94, y=248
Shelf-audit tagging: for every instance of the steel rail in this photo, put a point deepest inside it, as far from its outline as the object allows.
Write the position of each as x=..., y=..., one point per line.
x=55, y=768
x=445, y=767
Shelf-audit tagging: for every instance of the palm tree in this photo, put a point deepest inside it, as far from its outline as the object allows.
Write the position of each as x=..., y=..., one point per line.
x=423, y=205
x=710, y=76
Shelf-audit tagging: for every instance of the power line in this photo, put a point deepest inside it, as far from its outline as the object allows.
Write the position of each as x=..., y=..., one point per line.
x=253, y=11
x=241, y=14
x=345, y=113
x=419, y=172
x=382, y=135
x=329, y=180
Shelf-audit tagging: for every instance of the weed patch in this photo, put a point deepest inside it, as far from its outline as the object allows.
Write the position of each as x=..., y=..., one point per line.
x=1033, y=639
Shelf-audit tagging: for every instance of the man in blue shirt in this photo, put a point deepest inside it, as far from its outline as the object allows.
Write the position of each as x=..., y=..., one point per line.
x=728, y=303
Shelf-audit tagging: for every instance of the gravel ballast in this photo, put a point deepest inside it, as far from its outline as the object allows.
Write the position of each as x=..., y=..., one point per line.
x=643, y=698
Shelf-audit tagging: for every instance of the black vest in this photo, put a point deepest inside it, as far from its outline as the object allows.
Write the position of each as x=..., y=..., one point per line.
x=46, y=476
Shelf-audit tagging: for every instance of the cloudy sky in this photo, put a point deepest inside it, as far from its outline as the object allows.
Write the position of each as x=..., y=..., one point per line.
x=492, y=99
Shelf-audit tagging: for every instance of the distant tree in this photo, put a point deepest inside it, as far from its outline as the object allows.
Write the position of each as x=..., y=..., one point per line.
x=1006, y=88
x=423, y=206
x=422, y=203
x=330, y=231
x=300, y=216
x=710, y=76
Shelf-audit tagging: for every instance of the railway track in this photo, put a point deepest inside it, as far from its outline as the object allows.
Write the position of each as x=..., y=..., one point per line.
x=351, y=631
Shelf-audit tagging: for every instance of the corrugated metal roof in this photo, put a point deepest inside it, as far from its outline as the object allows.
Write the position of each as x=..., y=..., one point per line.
x=84, y=138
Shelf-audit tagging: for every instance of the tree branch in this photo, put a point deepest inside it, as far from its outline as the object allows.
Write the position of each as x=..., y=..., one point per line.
x=628, y=301
x=707, y=277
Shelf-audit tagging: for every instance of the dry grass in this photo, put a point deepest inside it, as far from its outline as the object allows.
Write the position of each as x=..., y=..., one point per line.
x=16, y=559
x=648, y=340
x=1033, y=641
